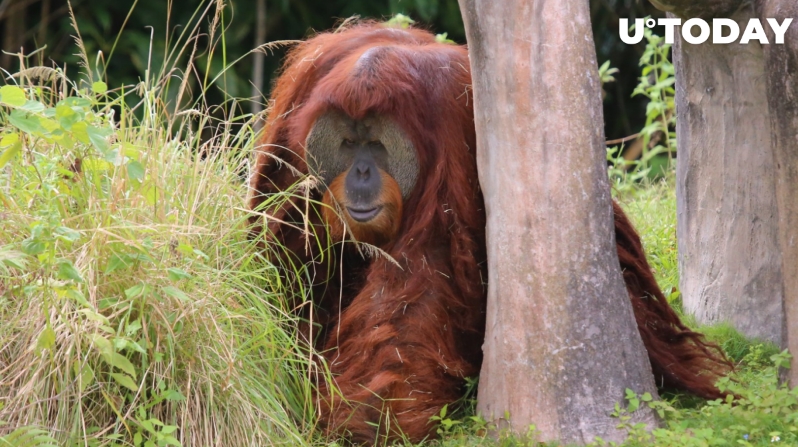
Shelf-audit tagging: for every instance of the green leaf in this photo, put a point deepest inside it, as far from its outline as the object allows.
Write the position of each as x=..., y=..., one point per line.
x=25, y=122
x=175, y=292
x=170, y=440
x=141, y=257
x=666, y=83
x=101, y=343
x=134, y=291
x=120, y=343
x=118, y=262
x=94, y=316
x=125, y=381
x=131, y=151
x=50, y=127
x=46, y=339
x=79, y=131
x=150, y=193
x=400, y=21
x=97, y=137
x=201, y=254
x=137, y=347
x=173, y=395
x=99, y=87
x=68, y=271
x=443, y=38
x=67, y=116
x=9, y=139
x=33, y=106
x=176, y=274
x=118, y=360
x=135, y=170
x=67, y=233
x=33, y=246
x=147, y=425
x=12, y=95
x=84, y=374
x=9, y=153
x=115, y=156
x=132, y=328
x=76, y=101
x=28, y=436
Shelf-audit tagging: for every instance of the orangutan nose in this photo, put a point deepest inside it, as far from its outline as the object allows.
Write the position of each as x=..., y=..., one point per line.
x=363, y=183
x=363, y=171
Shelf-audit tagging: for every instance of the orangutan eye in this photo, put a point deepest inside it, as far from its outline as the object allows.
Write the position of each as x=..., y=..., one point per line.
x=348, y=142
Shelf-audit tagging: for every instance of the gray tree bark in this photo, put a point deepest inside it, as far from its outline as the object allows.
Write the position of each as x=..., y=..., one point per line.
x=727, y=219
x=561, y=342
x=782, y=86
x=701, y=71
x=698, y=8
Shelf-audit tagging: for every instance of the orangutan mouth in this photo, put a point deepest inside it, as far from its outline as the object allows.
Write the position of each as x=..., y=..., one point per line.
x=363, y=214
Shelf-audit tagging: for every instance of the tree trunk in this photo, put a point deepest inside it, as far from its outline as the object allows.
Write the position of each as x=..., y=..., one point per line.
x=727, y=221
x=561, y=342
x=782, y=86
x=13, y=21
x=258, y=84
x=720, y=103
x=698, y=8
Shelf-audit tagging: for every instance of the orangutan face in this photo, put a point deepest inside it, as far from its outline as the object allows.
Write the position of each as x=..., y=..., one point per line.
x=368, y=168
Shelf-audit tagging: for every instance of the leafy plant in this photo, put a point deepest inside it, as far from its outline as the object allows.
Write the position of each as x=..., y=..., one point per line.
x=758, y=416
x=28, y=437
x=654, y=146
x=657, y=84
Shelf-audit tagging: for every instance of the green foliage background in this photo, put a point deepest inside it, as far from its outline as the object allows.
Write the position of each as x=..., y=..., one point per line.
x=45, y=25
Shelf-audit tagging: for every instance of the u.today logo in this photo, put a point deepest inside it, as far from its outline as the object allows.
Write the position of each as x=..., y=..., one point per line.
x=723, y=31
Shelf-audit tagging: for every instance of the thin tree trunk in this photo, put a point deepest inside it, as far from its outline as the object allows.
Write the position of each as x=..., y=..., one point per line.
x=13, y=20
x=561, y=341
x=257, y=62
x=43, y=24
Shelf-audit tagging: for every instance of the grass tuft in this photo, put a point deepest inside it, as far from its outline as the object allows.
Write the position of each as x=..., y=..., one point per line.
x=135, y=310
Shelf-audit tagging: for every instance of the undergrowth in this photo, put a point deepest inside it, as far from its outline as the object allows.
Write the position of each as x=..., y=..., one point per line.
x=136, y=311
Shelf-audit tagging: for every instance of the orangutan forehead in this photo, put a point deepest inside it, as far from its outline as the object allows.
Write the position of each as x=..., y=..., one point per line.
x=327, y=158
x=370, y=128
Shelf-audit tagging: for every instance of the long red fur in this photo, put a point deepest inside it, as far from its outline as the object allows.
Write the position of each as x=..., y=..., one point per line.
x=401, y=339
